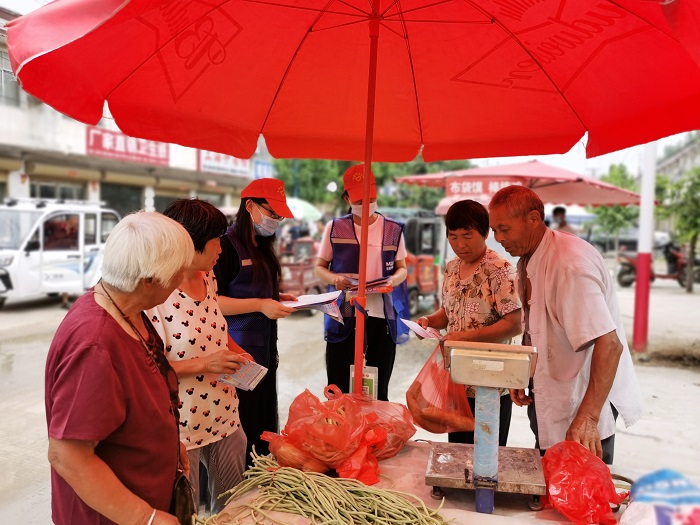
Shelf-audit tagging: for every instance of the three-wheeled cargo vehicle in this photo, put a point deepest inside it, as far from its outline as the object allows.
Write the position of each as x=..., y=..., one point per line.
x=51, y=246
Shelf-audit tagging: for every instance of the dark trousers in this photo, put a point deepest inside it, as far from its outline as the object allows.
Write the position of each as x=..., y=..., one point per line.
x=503, y=423
x=608, y=444
x=258, y=410
x=380, y=351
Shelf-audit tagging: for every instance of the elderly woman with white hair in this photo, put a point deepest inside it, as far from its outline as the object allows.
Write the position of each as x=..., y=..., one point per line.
x=111, y=396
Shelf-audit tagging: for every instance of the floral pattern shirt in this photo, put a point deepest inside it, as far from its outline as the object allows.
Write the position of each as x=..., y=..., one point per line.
x=481, y=299
x=190, y=330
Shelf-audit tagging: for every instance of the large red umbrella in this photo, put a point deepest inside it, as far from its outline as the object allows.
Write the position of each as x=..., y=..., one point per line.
x=683, y=17
x=552, y=184
x=379, y=80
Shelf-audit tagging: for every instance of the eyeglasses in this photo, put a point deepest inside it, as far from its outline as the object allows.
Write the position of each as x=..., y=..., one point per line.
x=272, y=215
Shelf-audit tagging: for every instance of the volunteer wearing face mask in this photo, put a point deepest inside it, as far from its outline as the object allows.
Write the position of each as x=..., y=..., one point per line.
x=386, y=257
x=248, y=275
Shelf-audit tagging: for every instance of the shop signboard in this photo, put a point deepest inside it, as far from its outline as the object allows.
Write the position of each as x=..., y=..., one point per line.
x=115, y=145
x=213, y=162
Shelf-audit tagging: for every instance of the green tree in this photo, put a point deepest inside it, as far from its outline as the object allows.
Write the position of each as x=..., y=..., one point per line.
x=309, y=179
x=613, y=219
x=685, y=209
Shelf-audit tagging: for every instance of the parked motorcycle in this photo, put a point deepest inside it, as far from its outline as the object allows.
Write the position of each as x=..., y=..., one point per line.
x=676, y=266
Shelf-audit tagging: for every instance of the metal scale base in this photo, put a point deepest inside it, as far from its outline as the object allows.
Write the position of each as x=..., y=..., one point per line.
x=520, y=471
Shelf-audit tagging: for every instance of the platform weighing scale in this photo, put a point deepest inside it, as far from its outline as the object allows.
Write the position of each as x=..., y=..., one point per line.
x=485, y=467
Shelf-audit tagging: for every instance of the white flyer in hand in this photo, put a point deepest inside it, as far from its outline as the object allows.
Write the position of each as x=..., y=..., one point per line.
x=425, y=333
x=322, y=302
x=307, y=301
x=247, y=377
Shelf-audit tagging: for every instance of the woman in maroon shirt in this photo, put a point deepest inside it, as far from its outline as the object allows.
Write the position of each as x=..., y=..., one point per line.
x=111, y=396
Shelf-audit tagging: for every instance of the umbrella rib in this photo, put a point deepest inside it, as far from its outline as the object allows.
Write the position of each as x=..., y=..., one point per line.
x=534, y=59
x=313, y=9
x=289, y=66
x=413, y=78
x=286, y=72
x=421, y=7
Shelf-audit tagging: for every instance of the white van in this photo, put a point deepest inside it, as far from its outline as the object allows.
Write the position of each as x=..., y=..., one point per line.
x=51, y=247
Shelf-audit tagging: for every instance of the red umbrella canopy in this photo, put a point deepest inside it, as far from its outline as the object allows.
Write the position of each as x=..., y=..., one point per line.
x=552, y=184
x=455, y=79
x=683, y=17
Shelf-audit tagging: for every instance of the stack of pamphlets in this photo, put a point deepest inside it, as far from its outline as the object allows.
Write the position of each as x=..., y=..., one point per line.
x=324, y=302
x=380, y=285
x=247, y=377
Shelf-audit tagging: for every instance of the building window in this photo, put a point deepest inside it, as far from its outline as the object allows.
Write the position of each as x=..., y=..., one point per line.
x=57, y=190
x=122, y=198
x=9, y=88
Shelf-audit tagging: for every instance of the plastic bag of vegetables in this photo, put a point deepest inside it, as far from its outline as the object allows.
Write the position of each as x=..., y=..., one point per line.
x=393, y=418
x=329, y=431
x=289, y=455
x=436, y=403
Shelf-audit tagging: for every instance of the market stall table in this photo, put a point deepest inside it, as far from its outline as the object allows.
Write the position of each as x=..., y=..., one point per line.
x=406, y=472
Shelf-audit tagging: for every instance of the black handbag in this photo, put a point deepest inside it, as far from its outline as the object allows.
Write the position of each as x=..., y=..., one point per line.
x=182, y=504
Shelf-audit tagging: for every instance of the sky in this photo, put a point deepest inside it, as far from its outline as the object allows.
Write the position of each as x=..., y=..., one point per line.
x=22, y=6
x=575, y=160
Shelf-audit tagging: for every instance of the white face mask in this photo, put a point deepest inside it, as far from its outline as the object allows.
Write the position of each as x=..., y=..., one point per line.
x=357, y=209
x=267, y=225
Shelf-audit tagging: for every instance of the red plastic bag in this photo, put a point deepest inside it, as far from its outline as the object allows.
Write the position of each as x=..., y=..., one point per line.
x=289, y=455
x=394, y=419
x=329, y=431
x=362, y=464
x=435, y=402
x=579, y=484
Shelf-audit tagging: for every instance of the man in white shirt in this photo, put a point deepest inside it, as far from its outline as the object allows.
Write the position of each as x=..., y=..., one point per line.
x=560, y=222
x=584, y=375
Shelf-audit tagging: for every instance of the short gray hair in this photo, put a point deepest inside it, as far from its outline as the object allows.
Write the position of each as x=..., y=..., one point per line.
x=145, y=245
x=518, y=201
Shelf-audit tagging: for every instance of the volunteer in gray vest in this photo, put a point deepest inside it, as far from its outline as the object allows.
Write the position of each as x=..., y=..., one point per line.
x=584, y=375
x=248, y=275
x=339, y=258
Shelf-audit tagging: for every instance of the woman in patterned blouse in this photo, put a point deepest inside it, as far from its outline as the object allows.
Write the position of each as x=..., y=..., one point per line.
x=479, y=299
x=199, y=348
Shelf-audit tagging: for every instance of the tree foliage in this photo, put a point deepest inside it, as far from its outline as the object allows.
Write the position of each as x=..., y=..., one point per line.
x=613, y=219
x=685, y=210
x=309, y=180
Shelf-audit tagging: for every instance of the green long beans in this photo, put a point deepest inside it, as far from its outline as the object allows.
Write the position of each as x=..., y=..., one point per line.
x=320, y=499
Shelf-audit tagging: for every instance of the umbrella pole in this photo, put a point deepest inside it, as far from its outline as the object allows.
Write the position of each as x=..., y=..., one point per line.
x=364, y=232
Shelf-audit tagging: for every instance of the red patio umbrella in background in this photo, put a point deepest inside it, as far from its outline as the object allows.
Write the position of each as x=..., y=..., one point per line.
x=552, y=185
x=379, y=80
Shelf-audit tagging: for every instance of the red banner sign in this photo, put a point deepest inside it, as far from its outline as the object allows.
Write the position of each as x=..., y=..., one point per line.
x=115, y=145
x=477, y=189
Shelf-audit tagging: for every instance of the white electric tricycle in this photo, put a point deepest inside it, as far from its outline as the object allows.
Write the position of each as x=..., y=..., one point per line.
x=51, y=247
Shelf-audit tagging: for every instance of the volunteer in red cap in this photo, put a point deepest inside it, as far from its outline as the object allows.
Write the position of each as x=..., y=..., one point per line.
x=339, y=259
x=248, y=275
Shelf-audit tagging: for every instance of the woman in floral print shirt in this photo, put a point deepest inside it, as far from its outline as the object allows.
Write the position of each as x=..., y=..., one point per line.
x=479, y=299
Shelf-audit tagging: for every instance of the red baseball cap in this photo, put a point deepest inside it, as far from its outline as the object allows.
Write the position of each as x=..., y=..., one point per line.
x=272, y=190
x=353, y=180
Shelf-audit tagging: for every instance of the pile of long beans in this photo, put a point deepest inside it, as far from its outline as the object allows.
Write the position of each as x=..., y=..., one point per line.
x=321, y=499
